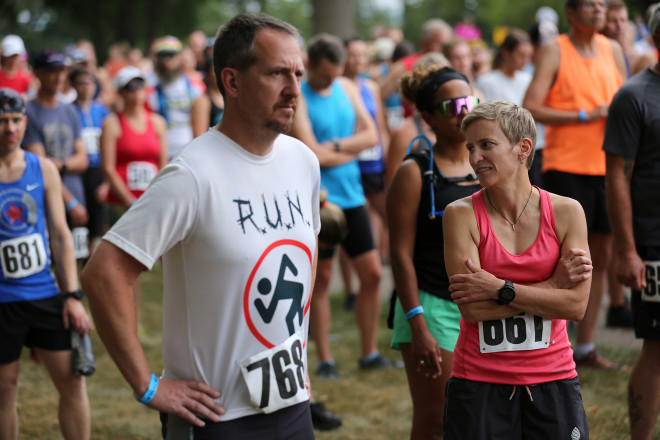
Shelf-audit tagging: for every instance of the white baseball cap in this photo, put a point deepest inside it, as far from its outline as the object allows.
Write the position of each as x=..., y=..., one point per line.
x=12, y=45
x=126, y=75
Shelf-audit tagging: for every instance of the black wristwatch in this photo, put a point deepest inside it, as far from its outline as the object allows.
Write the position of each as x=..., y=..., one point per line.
x=76, y=294
x=507, y=293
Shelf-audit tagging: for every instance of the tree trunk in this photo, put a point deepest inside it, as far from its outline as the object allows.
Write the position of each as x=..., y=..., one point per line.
x=335, y=17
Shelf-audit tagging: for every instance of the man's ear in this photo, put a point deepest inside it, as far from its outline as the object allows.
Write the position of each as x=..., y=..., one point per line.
x=230, y=81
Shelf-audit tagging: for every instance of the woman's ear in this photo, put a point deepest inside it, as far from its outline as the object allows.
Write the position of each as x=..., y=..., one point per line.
x=526, y=147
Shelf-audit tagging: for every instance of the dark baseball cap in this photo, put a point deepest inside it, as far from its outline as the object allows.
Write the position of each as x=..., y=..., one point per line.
x=11, y=101
x=48, y=60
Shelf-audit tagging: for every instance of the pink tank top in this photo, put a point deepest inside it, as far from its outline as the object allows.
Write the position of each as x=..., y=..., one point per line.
x=524, y=349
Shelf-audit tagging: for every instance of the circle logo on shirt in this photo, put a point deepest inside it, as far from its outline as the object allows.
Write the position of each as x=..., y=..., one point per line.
x=278, y=292
x=18, y=212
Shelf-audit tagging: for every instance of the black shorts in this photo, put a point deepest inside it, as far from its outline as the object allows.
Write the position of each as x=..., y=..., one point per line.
x=294, y=422
x=92, y=179
x=588, y=190
x=478, y=410
x=373, y=183
x=646, y=314
x=359, y=238
x=33, y=324
x=535, y=174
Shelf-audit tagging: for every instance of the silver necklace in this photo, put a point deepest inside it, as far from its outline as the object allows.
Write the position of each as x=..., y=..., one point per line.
x=513, y=225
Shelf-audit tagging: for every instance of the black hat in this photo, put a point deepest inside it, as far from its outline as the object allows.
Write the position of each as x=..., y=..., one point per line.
x=48, y=60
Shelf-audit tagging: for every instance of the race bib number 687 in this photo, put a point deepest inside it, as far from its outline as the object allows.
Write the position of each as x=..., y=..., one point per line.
x=276, y=377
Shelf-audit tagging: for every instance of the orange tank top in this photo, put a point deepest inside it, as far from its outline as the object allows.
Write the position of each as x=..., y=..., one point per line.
x=580, y=84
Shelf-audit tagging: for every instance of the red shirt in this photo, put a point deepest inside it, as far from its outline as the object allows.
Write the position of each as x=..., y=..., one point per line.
x=19, y=82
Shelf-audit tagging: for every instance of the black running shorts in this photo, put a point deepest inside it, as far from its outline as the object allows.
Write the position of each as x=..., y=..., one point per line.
x=294, y=422
x=478, y=410
x=588, y=190
x=33, y=324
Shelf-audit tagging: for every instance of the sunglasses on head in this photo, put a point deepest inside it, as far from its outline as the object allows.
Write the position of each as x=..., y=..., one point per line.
x=11, y=104
x=454, y=106
x=134, y=85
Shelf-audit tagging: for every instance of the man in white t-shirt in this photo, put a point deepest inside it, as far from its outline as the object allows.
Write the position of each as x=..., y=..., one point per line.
x=235, y=218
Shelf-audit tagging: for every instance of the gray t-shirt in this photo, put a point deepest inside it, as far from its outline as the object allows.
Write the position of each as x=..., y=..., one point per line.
x=633, y=132
x=57, y=129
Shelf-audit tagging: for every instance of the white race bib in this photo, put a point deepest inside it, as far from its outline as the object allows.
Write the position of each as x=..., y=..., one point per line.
x=651, y=293
x=520, y=332
x=276, y=377
x=91, y=138
x=23, y=256
x=373, y=153
x=139, y=174
x=80, y=245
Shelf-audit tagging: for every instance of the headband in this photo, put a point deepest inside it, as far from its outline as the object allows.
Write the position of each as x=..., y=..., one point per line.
x=426, y=91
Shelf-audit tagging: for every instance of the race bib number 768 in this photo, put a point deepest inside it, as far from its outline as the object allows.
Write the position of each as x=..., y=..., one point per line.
x=276, y=377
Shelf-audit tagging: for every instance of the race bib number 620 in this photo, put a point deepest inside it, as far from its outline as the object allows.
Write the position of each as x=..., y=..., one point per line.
x=276, y=377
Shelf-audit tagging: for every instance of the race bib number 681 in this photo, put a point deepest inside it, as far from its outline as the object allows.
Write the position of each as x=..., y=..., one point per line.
x=276, y=377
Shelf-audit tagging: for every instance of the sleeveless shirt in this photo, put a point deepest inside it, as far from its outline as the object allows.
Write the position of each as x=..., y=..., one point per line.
x=523, y=349
x=24, y=247
x=580, y=84
x=138, y=156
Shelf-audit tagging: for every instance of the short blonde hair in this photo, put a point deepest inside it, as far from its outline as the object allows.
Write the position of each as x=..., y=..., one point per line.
x=515, y=122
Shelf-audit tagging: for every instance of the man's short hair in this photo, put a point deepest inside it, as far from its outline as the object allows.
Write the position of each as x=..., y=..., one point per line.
x=430, y=27
x=234, y=42
x=77, y=72
x=572, y=4
x=515, y=122
x=326, y=46
x=615, y=5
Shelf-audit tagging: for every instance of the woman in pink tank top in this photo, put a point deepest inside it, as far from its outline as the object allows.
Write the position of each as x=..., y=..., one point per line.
x=518, y=270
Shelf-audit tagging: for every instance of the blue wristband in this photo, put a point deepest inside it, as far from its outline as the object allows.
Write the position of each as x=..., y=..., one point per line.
x=72, y=204
x=151, y=391
x=583, y=115
x=414, y=311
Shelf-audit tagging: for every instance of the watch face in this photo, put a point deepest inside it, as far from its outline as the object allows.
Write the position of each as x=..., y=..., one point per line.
x=507, y=294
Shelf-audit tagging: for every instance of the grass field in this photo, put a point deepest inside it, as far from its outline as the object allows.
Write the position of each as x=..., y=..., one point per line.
x=374, y=405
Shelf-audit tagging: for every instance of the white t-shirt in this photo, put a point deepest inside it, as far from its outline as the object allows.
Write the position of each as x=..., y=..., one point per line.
x=234, y=230
x=496, y=85
x=179, y=96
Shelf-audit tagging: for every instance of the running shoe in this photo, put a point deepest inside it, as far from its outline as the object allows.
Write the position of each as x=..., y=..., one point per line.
x=379, y=361
x=327, y=370
x=322, y=418
x=596, y=361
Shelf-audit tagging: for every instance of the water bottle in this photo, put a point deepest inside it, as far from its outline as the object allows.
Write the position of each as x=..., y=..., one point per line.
x=82, y=360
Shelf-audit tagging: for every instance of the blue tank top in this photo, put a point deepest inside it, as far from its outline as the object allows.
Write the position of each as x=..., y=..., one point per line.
x=24, y=250
x=371, y=159
x=90, y=130
x=332, y=117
